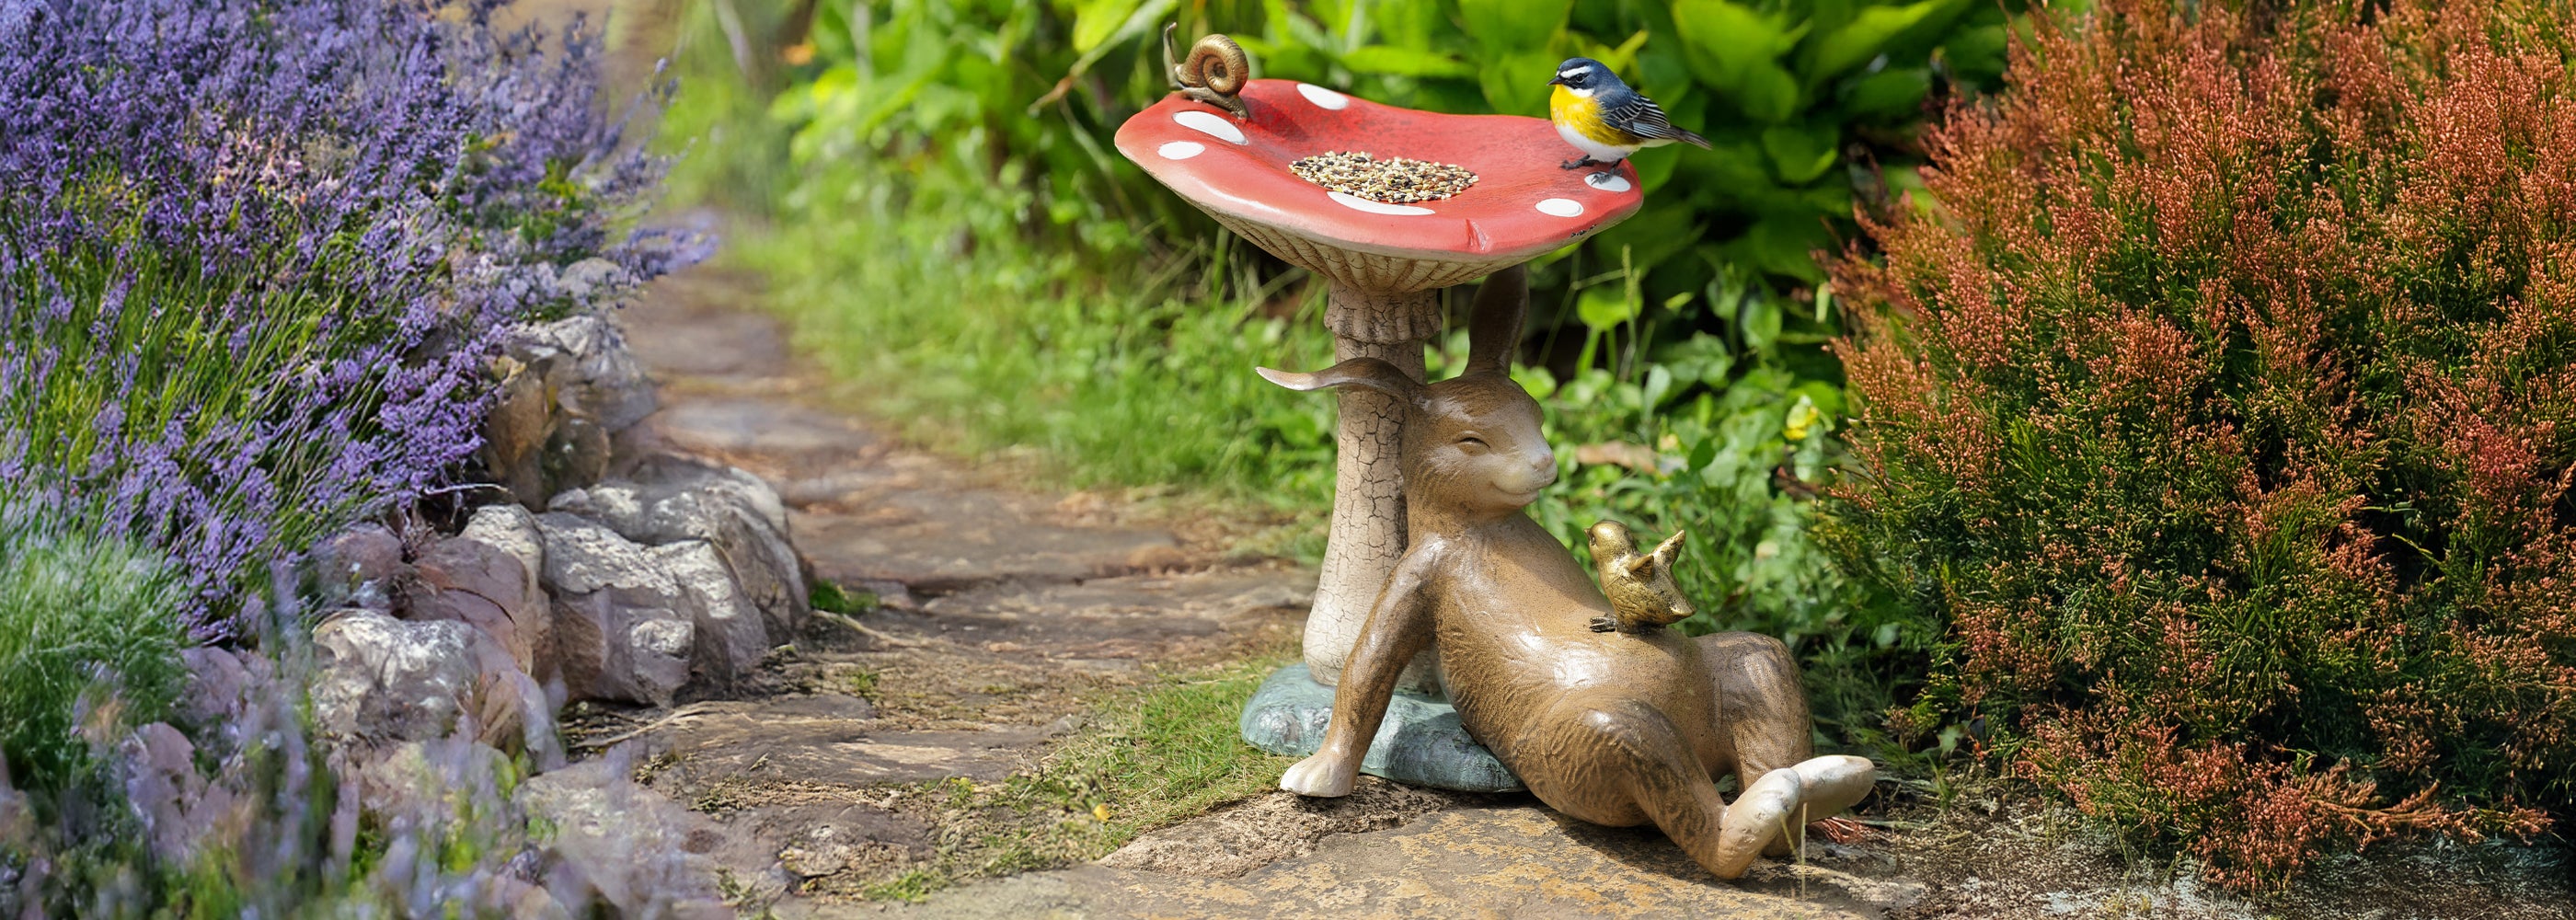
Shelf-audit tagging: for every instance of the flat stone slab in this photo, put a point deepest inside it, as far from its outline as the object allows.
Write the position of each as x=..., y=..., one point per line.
x=1420, y=743
x=1505, y=860
x=769, y=429
x=1139, y=618
x=940, y=543
x=830, y=739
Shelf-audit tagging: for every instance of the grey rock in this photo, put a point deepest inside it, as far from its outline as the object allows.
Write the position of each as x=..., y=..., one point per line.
x=624, y=629
x=620, y=844
x=589, y=368
x=354, y=567
x=592, y=279
x=1421, y=742
x=490, y=576
x=637, y=623
x=386, y=681
x=516, y=429
x=415, y=782
x=577, y=453
x=567, y=388
x=220, y=685
x=175, y=805
x=670, y=499
x=731, y=639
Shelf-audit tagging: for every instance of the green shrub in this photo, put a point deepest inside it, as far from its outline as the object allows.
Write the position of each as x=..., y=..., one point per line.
x=88, y=645
x=2220, y=408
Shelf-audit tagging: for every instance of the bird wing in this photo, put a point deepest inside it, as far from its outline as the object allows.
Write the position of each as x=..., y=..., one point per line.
x=1642, y=117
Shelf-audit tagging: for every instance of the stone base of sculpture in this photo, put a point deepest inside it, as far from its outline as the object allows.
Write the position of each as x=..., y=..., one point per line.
x=1421, y=742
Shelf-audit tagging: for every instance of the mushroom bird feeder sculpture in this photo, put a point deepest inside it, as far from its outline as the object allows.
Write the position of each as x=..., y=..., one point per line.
x=1232, y=147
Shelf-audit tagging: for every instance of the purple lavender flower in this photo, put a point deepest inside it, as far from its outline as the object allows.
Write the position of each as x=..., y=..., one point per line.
x=231, y=232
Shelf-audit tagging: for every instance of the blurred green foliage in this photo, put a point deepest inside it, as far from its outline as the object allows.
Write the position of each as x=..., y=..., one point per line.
x=952, y=226
x=89, y=642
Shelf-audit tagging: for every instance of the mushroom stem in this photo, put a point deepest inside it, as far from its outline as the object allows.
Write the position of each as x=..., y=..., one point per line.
x=1368, y=534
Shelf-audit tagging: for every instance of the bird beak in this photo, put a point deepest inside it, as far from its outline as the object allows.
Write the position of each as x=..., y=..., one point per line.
x=1558, y=81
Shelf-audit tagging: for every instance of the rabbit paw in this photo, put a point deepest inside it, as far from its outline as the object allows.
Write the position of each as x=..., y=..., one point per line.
x=1320, y=777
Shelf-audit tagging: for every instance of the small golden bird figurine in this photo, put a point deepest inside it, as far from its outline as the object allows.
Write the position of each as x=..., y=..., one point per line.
x=1597, y=113
x=1639, y=585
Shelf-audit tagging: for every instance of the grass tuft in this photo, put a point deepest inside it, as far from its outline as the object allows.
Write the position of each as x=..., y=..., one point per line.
x=88, y=642
x=1147, y=758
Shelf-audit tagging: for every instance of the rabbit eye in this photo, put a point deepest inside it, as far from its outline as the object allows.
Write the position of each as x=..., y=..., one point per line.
x=1472, y=444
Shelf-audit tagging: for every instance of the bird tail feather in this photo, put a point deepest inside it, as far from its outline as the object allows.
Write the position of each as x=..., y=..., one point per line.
x=1690, y=138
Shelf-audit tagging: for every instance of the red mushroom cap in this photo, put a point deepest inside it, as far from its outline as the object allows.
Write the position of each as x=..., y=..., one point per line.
x=1524, y=203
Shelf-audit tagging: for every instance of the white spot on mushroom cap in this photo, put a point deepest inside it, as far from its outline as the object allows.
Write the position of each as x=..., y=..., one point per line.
x=1607, y=181
x=1210, y=124
x=1323, y=98
x=1357, y=203
x=1561, y=207
x=1181, y=150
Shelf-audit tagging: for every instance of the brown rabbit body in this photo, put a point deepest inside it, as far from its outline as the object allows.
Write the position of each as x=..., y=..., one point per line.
x=1616, y=728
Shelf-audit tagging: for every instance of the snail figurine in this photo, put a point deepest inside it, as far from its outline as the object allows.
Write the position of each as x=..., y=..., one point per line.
x=1213, y=73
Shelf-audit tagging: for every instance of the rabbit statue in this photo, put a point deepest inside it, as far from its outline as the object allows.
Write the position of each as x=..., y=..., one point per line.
x=1617, y=727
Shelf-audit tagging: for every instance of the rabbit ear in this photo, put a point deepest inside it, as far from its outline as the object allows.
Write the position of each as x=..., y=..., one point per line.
x=1494, y=333
x=1356, y=372
x=1670, y=551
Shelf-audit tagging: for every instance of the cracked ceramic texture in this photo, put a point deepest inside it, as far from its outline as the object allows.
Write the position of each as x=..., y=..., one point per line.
x=1367, y=530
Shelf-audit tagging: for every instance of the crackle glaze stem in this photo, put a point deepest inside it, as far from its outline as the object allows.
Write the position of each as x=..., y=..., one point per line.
x=1367, y=534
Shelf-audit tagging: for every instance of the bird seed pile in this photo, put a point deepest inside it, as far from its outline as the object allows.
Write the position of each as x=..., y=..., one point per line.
x=1394, y=180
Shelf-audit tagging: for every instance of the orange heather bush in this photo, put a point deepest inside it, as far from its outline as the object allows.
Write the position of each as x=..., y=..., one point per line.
x=2220, y=408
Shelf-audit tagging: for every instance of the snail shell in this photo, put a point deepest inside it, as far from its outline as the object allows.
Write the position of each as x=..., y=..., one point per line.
x=1214, y=71
x=1216, y=63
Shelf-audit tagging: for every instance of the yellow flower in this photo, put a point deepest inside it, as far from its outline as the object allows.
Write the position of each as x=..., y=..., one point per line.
x=1802, y=418
x=1101, y=811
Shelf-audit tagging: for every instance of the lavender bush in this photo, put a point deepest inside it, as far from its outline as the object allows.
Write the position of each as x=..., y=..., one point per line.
x=254, y=255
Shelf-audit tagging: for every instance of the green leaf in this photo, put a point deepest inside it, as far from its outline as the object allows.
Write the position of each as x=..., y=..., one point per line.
x=1895, y=92
x=1702, y=358
x=1800, y=153
x=1721, y=39
x=1096, y=20
x=1405, y=62
x=1703, y=453
x=1514, y=84
x=1978, y=54
x=1761, y=323
x=1768, y=92
x=1784, y=246
x=1659, y=386
x=1139, y=19
x=1736, y=51
x=1868, y=34
x=1603, y=307
x=1513, y=25
x=1659, y=230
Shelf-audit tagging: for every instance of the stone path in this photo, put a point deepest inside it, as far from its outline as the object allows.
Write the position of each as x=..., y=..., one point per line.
x=1009, y=612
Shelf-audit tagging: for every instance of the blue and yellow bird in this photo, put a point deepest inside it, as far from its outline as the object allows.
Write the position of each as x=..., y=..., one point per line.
x=1601, y=116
